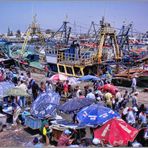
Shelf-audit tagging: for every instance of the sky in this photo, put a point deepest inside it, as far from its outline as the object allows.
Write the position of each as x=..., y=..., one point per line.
x=17, y=14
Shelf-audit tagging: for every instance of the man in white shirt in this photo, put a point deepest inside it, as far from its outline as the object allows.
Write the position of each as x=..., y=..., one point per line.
x=78, y=92
x=134, y=84
x=130, y=117
x=90, y=95
x=143, y=118
x=118, y=97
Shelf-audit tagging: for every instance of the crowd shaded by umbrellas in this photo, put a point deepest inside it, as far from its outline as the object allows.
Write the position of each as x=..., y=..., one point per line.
x=89, y=111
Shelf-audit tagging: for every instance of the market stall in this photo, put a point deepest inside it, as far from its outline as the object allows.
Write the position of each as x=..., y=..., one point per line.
x=78, y=131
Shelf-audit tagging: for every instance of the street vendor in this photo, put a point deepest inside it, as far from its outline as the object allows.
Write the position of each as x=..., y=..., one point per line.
x=65, y=138
x=46, y=132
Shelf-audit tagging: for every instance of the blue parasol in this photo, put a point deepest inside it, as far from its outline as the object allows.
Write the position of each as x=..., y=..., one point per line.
x=74, y=105
x=45, y=105
x=89, y=78
x=95, y=114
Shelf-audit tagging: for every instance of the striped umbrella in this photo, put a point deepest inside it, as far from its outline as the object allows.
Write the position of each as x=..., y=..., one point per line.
x=58, y=77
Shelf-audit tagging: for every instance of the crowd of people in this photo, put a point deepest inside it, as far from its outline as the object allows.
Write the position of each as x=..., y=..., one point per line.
x=126, y=104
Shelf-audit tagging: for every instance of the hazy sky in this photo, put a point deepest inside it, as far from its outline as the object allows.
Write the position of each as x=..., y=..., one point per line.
x=17, y=14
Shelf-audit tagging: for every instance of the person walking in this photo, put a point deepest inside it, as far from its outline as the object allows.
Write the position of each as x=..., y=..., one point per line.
x=135, y=99
x=134, y=84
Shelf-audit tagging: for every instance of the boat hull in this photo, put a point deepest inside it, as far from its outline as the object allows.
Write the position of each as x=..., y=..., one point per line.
x=142, y=81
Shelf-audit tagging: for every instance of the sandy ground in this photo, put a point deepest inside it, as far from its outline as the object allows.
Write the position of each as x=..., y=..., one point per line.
x=19, y=136
x=14, y=137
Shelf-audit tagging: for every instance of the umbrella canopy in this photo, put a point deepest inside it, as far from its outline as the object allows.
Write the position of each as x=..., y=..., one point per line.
x=95, y=114
x=58, y=77
x=75, y=105
x=108, y=87
x=89, y=78
x=4, y=87
x=116, y=132
x=17, y=92
x=45, y=105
